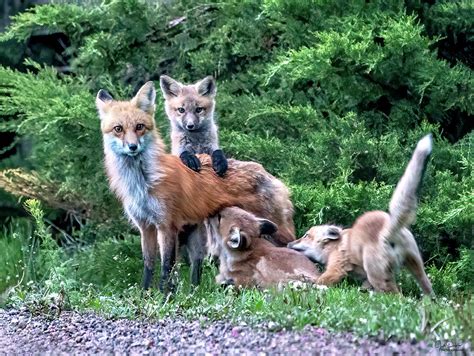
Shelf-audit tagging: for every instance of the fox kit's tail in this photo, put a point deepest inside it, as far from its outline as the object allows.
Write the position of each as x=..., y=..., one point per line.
x=404, y=200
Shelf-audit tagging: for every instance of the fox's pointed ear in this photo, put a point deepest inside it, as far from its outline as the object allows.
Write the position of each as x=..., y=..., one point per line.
x=145, y=98
x=207, y=87
x=332, y=233
x=267, y=227
x=170, y=87
x=101, y=100
x=237, y=240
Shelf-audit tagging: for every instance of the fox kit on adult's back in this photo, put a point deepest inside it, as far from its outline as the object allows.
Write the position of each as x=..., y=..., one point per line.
x=190, y=109
x=160, y=194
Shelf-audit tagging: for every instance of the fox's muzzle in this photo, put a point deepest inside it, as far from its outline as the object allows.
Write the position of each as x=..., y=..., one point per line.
x=191, y=122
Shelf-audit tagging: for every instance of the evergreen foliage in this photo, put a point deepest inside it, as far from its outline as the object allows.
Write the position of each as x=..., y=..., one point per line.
x=330, y=96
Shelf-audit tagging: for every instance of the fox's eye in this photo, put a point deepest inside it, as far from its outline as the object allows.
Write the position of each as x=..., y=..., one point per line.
x=181, y=110
x=140, y=127
x=199, y=109
x=118, y=129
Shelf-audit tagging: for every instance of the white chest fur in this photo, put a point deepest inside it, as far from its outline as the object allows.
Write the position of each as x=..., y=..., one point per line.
x=133, y=178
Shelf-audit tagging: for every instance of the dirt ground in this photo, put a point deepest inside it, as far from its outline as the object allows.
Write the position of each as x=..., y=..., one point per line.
x=23, y=333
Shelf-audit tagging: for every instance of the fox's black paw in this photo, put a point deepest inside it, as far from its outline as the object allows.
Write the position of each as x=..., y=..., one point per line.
x=227, y=283
x=219, y=162
x=191, y=161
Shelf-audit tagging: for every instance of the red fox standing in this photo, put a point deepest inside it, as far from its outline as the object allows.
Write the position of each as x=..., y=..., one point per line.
x=160, y=194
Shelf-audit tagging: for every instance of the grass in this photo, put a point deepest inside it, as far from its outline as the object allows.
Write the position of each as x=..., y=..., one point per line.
x=104, y=278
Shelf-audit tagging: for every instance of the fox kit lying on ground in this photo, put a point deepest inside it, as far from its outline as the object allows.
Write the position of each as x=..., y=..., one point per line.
x=160, y=194
x=246, y=259
x=378, y=243
x=190, y=109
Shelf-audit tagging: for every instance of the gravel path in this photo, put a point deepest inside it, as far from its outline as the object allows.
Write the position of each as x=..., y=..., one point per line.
x=22, y=333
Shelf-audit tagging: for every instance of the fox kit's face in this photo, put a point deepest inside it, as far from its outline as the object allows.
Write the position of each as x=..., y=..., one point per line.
x=318, y=243
x=238, y=227
x=189, y=107
x=127, y=125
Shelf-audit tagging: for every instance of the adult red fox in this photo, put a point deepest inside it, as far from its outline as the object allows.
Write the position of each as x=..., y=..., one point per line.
x=378, y=243
x=160, y=194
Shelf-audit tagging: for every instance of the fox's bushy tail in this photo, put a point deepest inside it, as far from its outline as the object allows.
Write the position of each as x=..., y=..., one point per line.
x=404, y=200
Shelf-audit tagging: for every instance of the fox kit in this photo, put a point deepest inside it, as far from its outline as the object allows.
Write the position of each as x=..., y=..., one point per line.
x=246, y=259
x=160, y=194
x=190, y=109
x=378, y=243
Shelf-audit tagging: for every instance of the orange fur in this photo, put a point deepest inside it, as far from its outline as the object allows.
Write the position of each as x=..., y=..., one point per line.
x=247, y=260
x=378, y=243
x=158, y=189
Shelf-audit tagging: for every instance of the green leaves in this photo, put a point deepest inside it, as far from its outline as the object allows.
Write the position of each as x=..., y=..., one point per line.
x=330, y=96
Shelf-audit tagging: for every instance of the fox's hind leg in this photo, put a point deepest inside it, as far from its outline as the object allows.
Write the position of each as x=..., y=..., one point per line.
x=149, y=242
x=380, y=273
x=414, y=263
x=366, y=286
x=196, y=249
x=383, y=283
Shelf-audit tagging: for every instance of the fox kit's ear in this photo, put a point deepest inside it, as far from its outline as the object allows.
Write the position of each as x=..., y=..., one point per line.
x=207, y=87
x=170, y=87
x=267, y=227
x=101, y=100
x=332, y=233
x=145, y=98
x=237, y=240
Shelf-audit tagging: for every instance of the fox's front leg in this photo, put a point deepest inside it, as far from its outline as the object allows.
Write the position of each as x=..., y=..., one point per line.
x=167, y=237
x=332, y=275
x=219, y=162
x=149, y=241
x=190, y=160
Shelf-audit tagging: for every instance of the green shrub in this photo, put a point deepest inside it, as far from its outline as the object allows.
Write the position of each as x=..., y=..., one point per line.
x=330, y=96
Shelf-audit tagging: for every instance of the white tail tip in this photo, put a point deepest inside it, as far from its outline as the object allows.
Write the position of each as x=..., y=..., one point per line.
x=425, y=144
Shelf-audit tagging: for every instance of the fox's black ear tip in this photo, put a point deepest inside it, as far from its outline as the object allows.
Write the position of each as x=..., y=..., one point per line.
x=150, y=84
x=165, y=79
x=267, y=227
x=104, y=95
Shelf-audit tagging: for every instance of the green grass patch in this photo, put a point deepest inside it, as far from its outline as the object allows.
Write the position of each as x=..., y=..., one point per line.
x=104, y=278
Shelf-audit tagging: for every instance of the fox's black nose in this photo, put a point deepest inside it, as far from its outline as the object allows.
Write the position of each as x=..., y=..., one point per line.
x=133, y=147
x=190, y=126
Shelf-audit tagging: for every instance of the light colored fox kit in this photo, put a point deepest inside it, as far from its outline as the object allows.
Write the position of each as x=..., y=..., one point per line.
x=247, y=260
x=160, y=194
x=378, y=243
x=190, y=109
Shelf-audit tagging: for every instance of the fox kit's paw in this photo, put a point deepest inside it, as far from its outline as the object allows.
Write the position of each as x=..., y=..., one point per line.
x=219, y=162
x=191, y=161
x=227, y=283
